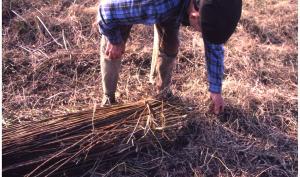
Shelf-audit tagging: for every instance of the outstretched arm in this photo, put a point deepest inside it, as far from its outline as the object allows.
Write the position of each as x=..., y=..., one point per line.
x=214, y=54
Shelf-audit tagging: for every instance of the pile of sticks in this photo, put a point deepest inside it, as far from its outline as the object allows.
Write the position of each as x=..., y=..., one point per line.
x=70, y=144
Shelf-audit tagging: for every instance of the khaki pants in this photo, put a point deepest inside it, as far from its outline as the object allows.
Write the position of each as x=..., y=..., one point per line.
x=165, y=49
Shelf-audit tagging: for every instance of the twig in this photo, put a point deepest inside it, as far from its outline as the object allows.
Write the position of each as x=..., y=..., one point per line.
x=93, y=117
x=20, y=17
x=65, y=43
x=137, y=123
x=49, y=32
x=106, y=174
x=223, y=164
x=264, y=170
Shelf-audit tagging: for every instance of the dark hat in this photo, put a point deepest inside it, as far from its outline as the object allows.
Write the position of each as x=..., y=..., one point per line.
x=219, y=19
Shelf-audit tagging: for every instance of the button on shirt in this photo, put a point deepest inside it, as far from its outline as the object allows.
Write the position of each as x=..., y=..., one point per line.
x=113, y=14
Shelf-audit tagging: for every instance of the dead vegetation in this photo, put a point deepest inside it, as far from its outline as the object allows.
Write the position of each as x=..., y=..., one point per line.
x=92, y=140
x=51, y=67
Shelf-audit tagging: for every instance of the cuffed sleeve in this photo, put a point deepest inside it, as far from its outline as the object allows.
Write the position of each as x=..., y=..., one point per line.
x=113, y=34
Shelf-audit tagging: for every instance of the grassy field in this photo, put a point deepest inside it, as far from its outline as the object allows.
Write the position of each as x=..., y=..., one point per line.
x=51, y=67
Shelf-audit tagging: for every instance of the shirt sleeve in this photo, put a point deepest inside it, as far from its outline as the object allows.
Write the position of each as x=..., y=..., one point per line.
x=112, y=32
x=214, y=55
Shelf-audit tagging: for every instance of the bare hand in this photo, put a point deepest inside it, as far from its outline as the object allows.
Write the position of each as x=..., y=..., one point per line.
x=217, y=105
x=114, y=51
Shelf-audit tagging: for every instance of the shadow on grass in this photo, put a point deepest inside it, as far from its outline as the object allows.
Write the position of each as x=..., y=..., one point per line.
x=236, y=143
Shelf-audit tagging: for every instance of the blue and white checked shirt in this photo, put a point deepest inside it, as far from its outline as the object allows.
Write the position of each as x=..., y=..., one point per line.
x=113, y=14
x=214, y=55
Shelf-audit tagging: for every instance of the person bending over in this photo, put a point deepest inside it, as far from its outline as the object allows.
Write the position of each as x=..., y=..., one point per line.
x=215, y=19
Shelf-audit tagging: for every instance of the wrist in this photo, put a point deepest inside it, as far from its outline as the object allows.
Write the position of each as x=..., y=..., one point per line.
x=116, y=44
x=212, y=94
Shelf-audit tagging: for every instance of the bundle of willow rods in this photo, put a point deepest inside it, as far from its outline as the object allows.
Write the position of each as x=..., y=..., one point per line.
x=62, y=145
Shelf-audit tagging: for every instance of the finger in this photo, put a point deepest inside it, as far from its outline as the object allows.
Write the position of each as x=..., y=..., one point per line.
x=107, y=49
x=222, y=108
x=217, y=110
x=106, y=52
x=117, y=55
x=111, y=55
x=211, y=108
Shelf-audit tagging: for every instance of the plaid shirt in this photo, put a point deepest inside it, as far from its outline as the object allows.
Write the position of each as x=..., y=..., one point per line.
x=113, y=14
x=116, y=13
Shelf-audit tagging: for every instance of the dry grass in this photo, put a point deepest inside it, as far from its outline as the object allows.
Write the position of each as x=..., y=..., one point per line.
x=92, y=141
x=46, y=75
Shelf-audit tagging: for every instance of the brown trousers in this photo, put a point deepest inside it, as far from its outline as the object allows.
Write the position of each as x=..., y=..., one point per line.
x=165, y=49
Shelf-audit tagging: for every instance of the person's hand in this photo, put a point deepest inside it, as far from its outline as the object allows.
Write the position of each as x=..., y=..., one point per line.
x=218, y=104
x=114, y=51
